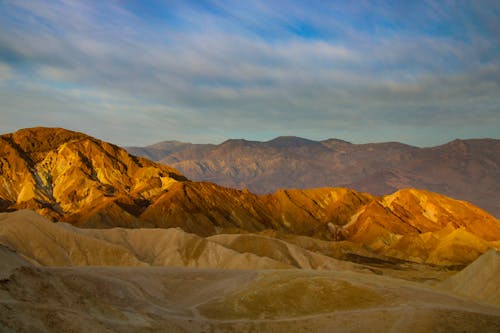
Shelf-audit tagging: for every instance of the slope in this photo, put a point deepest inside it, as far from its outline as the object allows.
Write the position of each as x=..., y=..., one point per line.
x=480, y=280
x=113, y=299
x=59, y=244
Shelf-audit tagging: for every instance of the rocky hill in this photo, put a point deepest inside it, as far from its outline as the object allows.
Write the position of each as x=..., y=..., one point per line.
x=71, y=177
x=464, y=169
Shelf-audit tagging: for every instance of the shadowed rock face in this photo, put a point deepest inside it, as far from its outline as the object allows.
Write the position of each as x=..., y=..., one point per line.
x=71, y=177
x=463, y=169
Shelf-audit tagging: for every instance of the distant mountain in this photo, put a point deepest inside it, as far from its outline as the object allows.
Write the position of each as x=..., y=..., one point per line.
x=464, y=169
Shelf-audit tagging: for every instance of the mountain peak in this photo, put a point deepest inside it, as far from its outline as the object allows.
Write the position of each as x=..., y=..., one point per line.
x=43, y=138
x=236, y=143
x=291, y=141
x=333, y=140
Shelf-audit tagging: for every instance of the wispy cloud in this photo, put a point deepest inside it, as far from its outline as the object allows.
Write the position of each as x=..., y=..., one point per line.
x=205, y=71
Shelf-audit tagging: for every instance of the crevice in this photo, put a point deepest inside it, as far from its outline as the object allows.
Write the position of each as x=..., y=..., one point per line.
x=302, y=208
x=47, y=190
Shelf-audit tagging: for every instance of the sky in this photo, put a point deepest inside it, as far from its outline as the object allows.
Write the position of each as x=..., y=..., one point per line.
x=138, y=72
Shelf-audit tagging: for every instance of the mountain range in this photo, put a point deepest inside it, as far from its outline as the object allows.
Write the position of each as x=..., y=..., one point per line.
x=463, y=169
x=72, y=177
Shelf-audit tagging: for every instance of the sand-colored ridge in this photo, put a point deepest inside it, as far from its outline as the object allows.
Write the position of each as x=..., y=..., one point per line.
x=48, y=244
x=480, y=280
x=281, y=251
x=60, y=244
x=175, y=248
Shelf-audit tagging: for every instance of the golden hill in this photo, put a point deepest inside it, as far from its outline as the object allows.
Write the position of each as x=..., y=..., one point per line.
x=71, y=177
x=66, y=278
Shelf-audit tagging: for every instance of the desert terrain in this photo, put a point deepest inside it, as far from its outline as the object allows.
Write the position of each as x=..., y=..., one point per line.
x=66, y=279
x=95, y=239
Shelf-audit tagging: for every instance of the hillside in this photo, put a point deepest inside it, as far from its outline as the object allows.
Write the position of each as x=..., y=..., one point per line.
x=94, y=239
x=479, y=280
x=71, y=176
x=463, y=169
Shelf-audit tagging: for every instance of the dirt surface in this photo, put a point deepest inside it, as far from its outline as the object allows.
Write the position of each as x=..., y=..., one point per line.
x=111, y=299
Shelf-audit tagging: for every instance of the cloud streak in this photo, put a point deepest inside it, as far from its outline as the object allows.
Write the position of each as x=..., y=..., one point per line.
x=207, y=71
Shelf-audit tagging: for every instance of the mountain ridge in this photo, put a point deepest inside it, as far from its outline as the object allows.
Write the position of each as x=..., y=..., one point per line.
x=464, y=169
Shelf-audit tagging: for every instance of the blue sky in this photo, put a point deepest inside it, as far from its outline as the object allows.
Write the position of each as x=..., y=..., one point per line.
x=138, y=72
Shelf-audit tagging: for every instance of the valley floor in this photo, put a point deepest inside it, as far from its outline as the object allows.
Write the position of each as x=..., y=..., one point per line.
x=159, y=299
